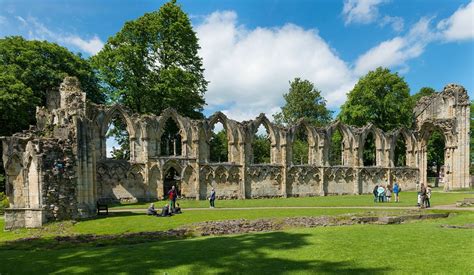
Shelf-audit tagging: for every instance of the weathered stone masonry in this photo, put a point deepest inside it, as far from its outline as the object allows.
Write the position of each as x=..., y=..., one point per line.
x=59, y=169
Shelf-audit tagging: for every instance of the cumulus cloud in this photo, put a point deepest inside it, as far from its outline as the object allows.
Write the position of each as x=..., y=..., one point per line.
x=250, y=69
x=397, y=23
x=361, y=11
x=397, y=51
x=460, y=25
x=367, y=11
x=37, y=30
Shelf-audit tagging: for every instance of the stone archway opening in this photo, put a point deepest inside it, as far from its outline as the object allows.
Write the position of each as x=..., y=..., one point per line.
x=171, y=144
x=400, y=154
x=435, y=145
x=117, y=139
x=261, y=145
x=300, y=147
x=369, y=152
x=336, y=148
x=218, y=144
x=172, y=178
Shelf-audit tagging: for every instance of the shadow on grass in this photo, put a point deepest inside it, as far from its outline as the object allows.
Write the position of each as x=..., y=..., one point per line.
x=274, y=252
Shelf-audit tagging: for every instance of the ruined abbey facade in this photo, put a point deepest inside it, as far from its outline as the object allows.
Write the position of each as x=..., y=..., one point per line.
x=59, y=168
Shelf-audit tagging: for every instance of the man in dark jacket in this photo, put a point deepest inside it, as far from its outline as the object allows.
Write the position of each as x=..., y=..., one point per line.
x=375, y=192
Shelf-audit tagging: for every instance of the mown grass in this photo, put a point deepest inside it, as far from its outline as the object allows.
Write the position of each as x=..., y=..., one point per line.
x=415, y=247
x=128, y=222
x=406, y=199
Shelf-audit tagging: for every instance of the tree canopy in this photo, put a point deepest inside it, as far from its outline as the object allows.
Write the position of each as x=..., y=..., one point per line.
x=303, y=100
x=152, y=63
x=381, y=98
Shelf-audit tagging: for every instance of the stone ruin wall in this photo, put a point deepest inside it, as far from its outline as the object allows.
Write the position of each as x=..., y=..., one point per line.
x=59, y=169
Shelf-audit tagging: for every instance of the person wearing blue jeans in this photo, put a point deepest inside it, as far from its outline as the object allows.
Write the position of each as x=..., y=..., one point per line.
x=212, y=198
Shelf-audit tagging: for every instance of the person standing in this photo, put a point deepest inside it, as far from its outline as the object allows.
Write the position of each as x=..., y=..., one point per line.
x=212, y=198
x=396, y=190
x=388, y=193
x=172, y=198
x=422, y=195
x=428, y=197
x=375, y=192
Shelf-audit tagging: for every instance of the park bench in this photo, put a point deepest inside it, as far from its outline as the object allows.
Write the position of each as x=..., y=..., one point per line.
x=102, y=206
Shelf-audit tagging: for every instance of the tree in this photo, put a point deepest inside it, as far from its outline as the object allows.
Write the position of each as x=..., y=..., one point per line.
x=42, y=66
x=381, y=98
x=303, y=100
x=152, y=63
x=261, y=149
x=425, y=91
x=218, y=147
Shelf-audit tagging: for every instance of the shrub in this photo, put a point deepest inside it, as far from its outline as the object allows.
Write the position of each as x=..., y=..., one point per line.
x=3, y=202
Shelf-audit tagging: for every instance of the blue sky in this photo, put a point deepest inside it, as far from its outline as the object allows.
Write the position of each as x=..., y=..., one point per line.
x=252, y=49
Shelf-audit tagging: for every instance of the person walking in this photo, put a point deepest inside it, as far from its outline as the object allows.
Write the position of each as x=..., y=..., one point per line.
x=212, y=198
x=396, y=190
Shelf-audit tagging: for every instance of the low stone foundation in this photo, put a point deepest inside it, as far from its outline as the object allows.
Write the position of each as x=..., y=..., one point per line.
x=24, y=217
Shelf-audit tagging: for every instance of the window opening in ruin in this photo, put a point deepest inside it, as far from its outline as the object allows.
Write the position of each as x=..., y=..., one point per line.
x=117, y=139
x=300, y=146
x=171, y=139
x=172, y=178
x=218, y=143
x=336, y=149
x=369, y=151
x=435, y=157
x=400, y=156
x=261, y=145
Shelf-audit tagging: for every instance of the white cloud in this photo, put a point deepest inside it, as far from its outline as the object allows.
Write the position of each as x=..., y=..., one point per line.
x=91, y=46
x=397, y=23
x=460, y=25
x=361, y=11
x=250, y=69
x=394, y=53
x=3, y=20
x=37, y=30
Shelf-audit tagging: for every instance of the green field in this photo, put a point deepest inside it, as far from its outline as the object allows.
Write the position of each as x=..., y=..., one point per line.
x=423, y=246
x=406, y=199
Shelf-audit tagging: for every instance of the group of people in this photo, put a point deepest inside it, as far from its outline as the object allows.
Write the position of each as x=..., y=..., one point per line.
x=383, y=193
x=424, y=196
x=172, y=207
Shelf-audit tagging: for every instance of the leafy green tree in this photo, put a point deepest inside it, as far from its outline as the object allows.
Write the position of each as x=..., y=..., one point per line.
x=152, y=63
x=381, y=98
x=425, y=91
x=303, y=101
x=218, y=147
x=261, y=149
x=42, y=66
x=335, y=150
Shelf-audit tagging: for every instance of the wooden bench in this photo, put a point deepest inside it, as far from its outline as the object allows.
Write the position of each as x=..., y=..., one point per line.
x=102, y=206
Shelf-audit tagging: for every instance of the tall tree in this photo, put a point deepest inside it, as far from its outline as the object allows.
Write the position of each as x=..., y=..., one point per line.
x=42, y=66
x=381, y=98
x=303, y=100
x=425, y=91
x=153, y=63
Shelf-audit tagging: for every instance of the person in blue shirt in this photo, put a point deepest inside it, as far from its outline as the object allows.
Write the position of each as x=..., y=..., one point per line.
x=396, y=190
x=212, y=198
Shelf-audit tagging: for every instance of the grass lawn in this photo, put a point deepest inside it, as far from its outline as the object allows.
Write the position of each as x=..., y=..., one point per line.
x=128, y=222
x=406, y=199
x=414, y=247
